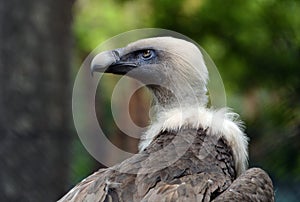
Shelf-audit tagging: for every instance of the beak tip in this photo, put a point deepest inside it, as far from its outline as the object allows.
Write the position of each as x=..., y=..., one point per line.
x=92, y=68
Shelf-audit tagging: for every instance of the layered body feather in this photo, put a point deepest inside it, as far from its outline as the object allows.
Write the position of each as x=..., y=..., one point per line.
x=184, y=165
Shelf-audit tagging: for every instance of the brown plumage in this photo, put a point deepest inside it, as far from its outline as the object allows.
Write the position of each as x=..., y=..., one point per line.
x=192, y=177
x=189, y=152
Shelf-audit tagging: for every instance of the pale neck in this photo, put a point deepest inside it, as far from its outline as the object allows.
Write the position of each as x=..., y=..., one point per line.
x=166, y=99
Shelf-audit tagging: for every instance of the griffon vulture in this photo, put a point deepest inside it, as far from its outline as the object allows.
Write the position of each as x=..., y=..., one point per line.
x=189, y=152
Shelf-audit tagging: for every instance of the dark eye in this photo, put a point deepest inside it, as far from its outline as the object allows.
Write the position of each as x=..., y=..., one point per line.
x=147, y=54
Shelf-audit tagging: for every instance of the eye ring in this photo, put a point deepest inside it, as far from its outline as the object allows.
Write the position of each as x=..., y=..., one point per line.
x=147, y=54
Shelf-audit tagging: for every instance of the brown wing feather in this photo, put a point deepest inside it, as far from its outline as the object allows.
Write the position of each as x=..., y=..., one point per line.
x=198, y=187
x=82, y=191
x=203, y=170
x=253, y=185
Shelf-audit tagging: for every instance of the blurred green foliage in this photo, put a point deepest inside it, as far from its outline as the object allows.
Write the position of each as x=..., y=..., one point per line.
x=256, y=46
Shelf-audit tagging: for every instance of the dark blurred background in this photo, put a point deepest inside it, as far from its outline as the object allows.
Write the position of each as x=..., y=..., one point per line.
x=255, y=45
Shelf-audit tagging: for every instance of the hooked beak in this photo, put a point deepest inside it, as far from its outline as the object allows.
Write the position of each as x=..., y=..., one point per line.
x=110, y=62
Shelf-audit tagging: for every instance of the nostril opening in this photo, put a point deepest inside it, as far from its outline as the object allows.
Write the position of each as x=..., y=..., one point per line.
x=116, y=55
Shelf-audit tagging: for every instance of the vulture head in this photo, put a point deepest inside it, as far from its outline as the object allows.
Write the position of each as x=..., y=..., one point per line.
x=173, y=69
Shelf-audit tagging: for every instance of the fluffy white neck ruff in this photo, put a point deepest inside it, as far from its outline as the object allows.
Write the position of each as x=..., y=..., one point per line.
x=220, y=123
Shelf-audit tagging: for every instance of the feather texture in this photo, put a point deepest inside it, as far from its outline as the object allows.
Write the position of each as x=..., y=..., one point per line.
x=200, y=168
x=220, y=123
